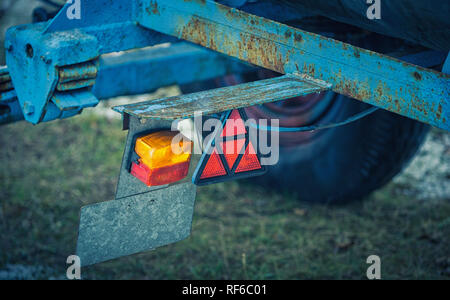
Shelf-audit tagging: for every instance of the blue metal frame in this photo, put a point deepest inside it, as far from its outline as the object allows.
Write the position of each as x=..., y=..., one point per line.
x=388, y=83
x=148, y=69
x=133, y=72
x=36, y=54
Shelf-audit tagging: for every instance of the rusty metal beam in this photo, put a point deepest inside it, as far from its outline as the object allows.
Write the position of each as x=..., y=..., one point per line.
x=383, y=81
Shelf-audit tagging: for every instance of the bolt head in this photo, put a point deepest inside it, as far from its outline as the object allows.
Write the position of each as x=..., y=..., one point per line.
x=28, y=108
x=8, y=46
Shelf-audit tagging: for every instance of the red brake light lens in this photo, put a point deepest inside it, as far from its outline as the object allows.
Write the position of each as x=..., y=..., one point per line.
x=159, y=176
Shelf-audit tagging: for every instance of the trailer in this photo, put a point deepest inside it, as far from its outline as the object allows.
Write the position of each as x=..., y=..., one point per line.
x=309, y=96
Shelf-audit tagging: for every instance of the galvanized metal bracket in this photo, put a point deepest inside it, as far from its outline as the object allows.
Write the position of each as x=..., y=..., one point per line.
x=140, y=218
x=226, y=98
x=135, y=224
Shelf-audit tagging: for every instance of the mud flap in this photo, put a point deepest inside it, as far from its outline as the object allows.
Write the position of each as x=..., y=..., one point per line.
x=135, y=224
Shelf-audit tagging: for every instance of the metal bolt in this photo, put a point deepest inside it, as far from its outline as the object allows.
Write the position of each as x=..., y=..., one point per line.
x=46, y=60
x=28, y=108
x=8, y=46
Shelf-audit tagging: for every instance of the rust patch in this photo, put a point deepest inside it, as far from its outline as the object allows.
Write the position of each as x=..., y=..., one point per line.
x=439, y=112
x=231, y=14
x=261, y=51
x=153, y=8
x=352, y=89
x=379, y=90
x=417, y=76
x=419, y=105
x=74, y=85
x=287, y=34
x=250, y=48
x=397, y=105
x=298, y=37
x=80, y=71
x=195, y=31
x=212, y=43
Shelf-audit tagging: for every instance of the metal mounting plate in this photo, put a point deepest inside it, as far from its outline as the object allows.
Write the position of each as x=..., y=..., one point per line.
x=140, y=218
x=227, y=98
x=134, y=224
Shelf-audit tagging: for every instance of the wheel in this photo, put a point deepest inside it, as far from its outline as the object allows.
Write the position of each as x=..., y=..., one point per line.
x=335, y=165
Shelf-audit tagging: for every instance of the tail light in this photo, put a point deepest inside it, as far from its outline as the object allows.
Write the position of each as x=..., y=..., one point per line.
x=237, y=157
x=161, y=160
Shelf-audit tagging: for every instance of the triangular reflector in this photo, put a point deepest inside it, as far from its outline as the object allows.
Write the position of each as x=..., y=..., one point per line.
x=231, y=163
x=214, y=167
x=231, y=150
x=234, y=125
x=249, y=160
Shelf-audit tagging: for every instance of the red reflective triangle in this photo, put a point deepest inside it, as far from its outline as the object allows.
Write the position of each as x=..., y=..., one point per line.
x=234, y=125
x=231, y=150
x=249, y=160
x=213, y=167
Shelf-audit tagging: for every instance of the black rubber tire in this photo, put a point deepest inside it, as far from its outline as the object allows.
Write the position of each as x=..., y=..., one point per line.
x=346, y=163
x=349, y=162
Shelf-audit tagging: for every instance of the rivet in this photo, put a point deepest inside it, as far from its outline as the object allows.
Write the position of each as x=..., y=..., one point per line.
x=28, y=108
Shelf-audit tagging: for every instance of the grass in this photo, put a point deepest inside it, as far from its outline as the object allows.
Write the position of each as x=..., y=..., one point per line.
x=240, y=231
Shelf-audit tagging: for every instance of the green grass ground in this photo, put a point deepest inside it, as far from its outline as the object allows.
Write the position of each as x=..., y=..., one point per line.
x=240, y=231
